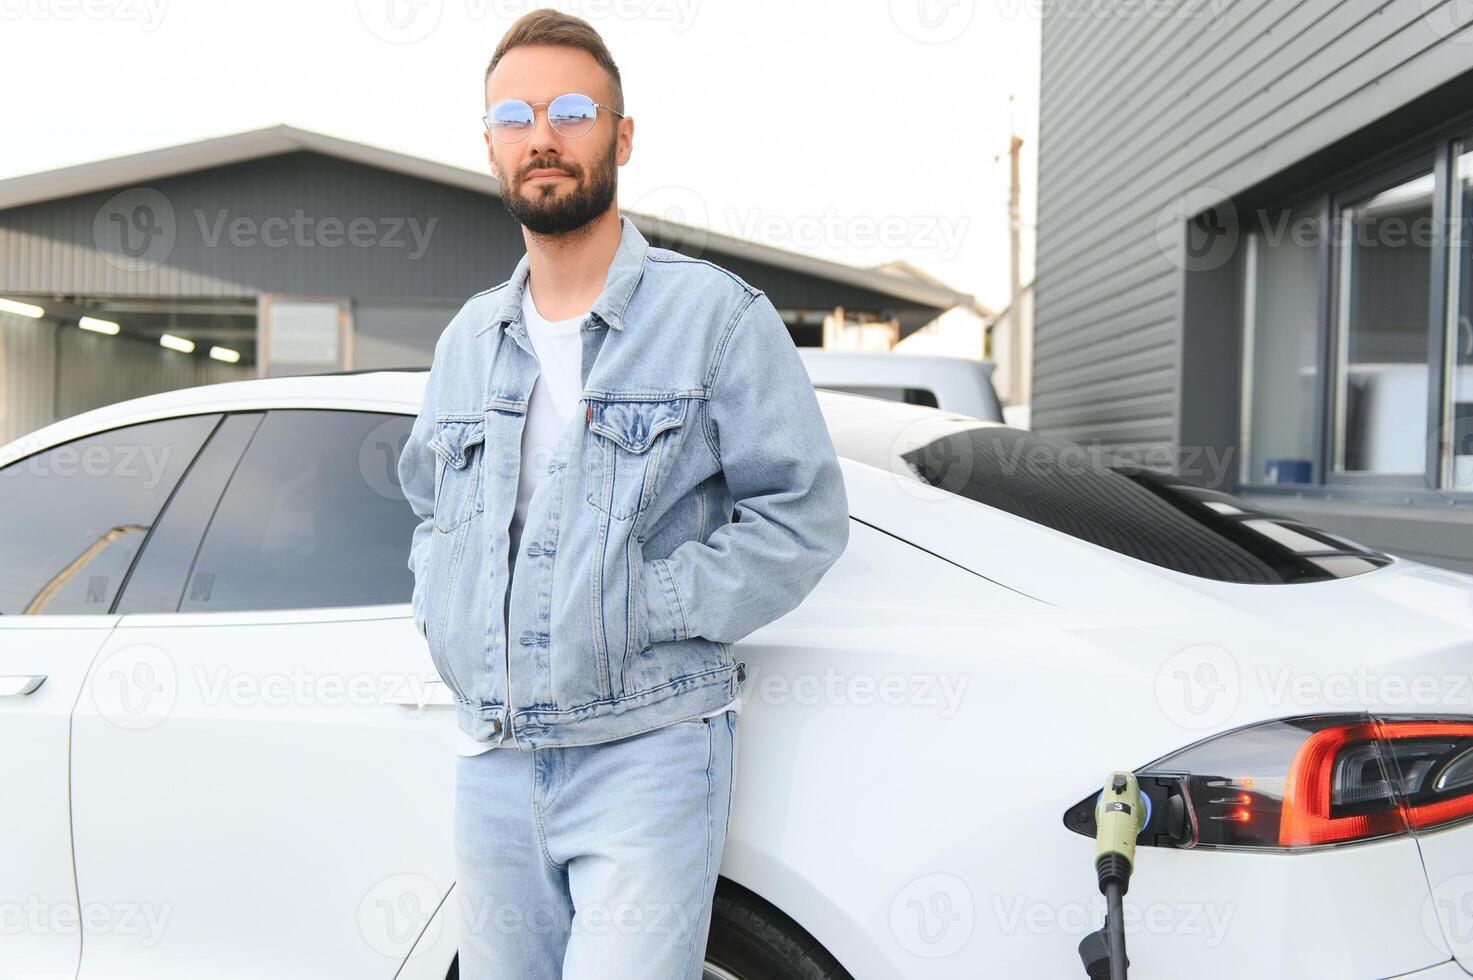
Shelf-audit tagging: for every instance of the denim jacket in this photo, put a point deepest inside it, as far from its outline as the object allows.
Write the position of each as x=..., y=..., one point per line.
x=634, y=577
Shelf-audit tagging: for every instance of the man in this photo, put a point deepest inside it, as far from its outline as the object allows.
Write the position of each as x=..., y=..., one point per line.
x=588, y=428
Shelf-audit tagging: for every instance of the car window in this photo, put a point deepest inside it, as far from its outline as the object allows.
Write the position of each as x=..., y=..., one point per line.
x=910, y=396
x=313, y=516
x=1112, y=502
x=73, y=517
x=156, y=583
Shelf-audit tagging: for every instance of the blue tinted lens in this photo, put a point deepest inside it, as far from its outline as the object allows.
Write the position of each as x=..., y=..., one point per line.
x=572, y=114
x=510, y=116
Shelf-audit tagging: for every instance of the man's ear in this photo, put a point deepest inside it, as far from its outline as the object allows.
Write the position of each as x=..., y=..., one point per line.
x=626, y=141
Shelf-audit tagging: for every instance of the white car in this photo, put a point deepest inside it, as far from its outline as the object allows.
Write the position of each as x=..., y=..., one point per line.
x=226, y=754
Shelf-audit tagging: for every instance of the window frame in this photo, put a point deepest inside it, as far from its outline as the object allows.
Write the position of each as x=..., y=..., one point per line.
x=1435, y=151
x=219, y=416
x=1332, y=313
x=204, y=534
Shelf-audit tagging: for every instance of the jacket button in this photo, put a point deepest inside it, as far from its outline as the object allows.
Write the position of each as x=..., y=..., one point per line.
x=496, y=726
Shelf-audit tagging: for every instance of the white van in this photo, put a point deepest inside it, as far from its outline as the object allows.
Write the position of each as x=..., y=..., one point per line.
x=954, y=384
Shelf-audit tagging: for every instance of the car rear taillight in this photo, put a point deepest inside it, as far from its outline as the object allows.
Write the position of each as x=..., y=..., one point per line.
x=1307, y=782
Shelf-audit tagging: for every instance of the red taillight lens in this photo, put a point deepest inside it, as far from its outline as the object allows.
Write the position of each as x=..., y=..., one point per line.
x=1312, y=782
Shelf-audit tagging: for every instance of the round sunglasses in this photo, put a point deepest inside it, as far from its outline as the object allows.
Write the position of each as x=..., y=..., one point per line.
x=571, y=115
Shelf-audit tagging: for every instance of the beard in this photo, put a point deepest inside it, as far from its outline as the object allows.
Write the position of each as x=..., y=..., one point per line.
x=546, y=211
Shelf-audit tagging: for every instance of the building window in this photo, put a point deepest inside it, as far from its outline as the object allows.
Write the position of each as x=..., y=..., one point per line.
x=1358, y=332
x=1381, y=369
x=1281, y=348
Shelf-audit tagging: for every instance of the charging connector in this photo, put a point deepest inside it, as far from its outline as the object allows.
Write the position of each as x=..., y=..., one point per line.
x=1120, y=816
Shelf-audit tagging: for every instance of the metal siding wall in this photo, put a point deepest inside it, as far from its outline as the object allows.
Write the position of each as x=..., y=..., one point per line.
x=97, y=370
x=472, y=243
x=1138, y=110
x=28, y=373
x=397, y=336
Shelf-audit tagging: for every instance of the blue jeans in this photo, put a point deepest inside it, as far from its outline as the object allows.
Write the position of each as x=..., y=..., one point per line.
x=593, y=861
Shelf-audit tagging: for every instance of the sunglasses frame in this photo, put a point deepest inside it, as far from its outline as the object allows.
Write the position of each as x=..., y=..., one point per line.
x=533, y=106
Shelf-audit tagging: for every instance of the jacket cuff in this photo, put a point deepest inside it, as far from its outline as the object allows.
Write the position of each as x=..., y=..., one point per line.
x=662, y=610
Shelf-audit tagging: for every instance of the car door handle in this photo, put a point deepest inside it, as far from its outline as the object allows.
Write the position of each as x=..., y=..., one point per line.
x=18, y=684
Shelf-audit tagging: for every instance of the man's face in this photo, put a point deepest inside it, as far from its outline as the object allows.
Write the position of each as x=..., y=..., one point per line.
x=552, y=184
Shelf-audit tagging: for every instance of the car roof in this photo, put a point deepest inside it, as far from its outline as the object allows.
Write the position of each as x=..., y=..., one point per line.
x=401, y=390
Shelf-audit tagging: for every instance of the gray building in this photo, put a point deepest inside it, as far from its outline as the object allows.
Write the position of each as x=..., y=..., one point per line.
x=1254, y=254
x=280, y=251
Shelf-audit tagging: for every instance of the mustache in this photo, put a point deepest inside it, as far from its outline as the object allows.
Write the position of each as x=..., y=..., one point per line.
x=555, y=168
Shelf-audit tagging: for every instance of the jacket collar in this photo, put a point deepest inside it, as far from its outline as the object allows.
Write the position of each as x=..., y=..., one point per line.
x=623, y=276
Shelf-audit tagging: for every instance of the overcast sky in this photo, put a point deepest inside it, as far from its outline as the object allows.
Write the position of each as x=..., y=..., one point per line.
x=855, y=130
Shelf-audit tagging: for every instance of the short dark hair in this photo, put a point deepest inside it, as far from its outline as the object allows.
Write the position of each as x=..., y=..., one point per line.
x=548, y=26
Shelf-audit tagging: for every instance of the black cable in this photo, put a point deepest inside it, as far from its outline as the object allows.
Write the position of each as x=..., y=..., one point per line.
x=1115, y=930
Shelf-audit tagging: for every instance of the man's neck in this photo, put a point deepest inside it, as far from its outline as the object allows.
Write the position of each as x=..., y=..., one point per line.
x=567, y=272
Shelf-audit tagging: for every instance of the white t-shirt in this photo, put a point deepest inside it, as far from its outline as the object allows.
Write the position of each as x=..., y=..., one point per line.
x=555, y=396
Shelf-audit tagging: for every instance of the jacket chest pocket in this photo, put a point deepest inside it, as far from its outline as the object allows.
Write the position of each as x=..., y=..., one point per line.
x=626, y=443
x=459, y=444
